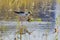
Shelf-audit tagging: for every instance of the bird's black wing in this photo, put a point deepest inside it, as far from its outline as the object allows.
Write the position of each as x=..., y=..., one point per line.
x=19, y=12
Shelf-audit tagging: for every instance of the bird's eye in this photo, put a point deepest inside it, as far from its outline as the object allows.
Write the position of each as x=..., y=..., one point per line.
x=29, y=12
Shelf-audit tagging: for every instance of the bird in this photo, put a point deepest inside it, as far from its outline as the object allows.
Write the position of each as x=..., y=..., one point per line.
x=25, y=14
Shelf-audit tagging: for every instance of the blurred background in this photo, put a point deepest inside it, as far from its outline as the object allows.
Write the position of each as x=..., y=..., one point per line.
x=46, y=10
